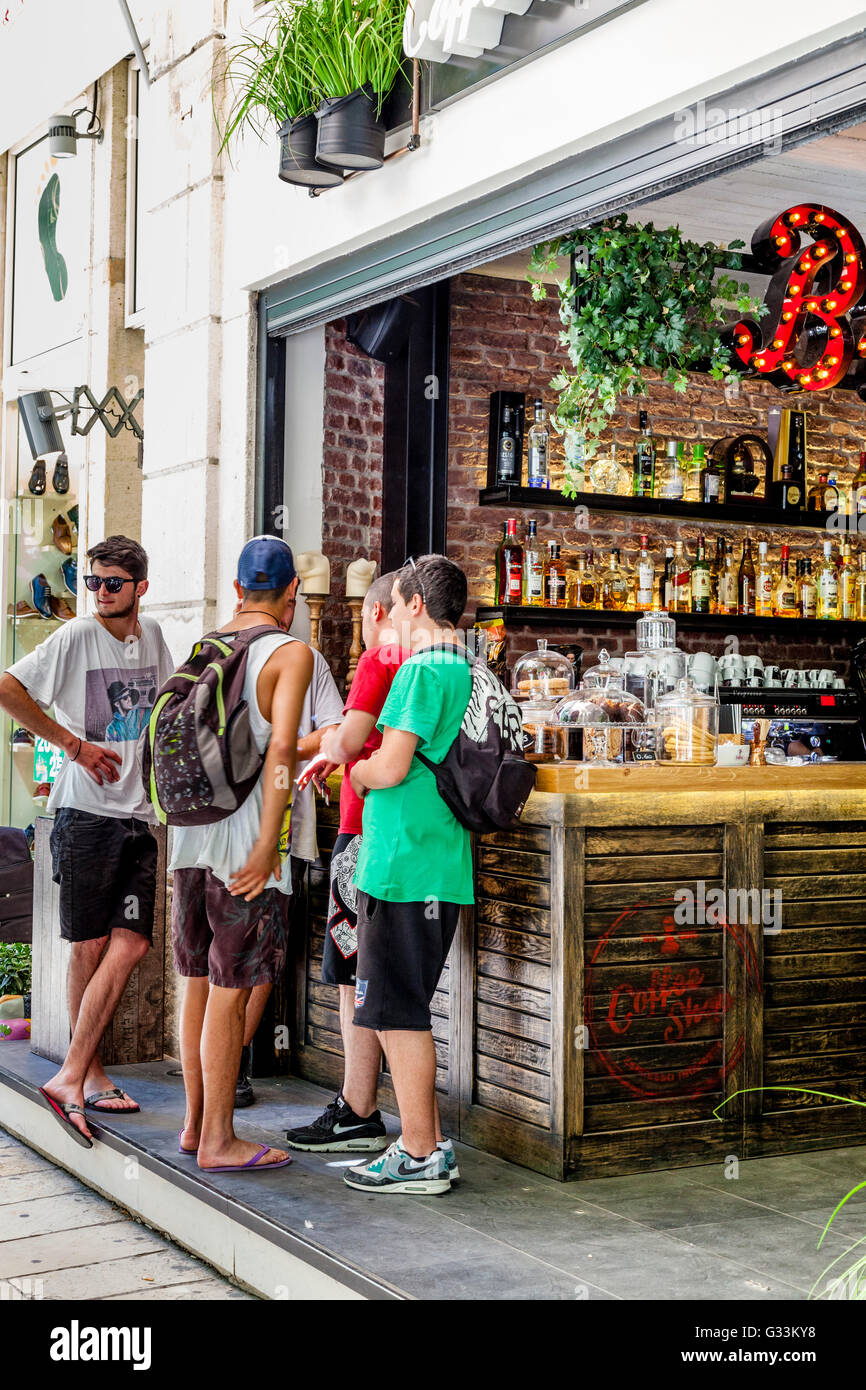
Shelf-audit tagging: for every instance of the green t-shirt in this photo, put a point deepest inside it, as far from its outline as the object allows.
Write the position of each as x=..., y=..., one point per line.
x=413, y=848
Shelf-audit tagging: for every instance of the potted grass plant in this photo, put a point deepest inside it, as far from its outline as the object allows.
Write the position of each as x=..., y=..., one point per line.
x=354, y=57
x=270, y=80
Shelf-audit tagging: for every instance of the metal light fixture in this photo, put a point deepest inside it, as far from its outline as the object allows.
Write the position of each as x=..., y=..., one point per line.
x=63, y=135
x=40, y=423
x=39, y=416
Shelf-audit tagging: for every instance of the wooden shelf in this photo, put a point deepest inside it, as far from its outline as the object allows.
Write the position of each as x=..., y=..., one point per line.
x=514, y=616
x=732, y=513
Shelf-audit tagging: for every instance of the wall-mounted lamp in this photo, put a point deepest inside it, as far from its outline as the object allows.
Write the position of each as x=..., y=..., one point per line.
x=39, y=416
x=63, y=135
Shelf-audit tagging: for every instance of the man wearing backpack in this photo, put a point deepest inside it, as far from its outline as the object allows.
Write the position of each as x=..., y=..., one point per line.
x=228, y=926
x=97, y=672
x=414, y=868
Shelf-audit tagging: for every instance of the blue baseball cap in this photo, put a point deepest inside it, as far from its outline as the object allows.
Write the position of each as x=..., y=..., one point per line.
x=266, y=562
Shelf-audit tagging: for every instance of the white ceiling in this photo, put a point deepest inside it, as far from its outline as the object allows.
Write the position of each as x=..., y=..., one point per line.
x=731, y=206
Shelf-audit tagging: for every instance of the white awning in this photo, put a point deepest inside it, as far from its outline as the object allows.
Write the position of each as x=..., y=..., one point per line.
x=50, y=51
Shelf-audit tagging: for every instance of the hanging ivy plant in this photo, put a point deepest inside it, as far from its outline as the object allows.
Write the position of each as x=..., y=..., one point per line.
x=639, y=298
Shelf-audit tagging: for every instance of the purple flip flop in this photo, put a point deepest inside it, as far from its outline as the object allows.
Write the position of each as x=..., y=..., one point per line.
x=253, y=1165
x=181, y=1150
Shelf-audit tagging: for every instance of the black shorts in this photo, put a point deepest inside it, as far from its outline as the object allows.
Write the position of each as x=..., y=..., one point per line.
x=402, y=948
x=340, y=954
x=106, y=868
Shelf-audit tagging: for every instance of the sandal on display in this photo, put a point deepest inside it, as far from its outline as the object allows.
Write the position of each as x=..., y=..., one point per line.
x=60, y=480
x=37, y=484
x=62, y=533
x=40, y=589
x=62, y=1109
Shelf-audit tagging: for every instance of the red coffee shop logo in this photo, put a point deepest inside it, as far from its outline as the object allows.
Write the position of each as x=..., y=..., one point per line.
x=658, y=1025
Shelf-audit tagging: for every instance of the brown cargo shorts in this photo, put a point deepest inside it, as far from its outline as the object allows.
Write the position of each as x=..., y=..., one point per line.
x=234, y=944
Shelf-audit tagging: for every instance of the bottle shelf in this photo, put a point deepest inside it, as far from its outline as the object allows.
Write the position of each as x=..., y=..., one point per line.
x=738, y=514
x=514, y=616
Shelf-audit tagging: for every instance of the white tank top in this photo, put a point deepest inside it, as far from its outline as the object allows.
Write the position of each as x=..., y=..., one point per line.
x=225, y=847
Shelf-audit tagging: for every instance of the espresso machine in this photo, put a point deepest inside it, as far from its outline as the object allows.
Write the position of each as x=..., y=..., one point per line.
x=805, y=719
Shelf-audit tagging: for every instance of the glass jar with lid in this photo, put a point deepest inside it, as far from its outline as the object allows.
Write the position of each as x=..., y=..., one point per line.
x=542, y=674
x=657, y=664
x=544, y=738
x=688, y=726
x=601, y=701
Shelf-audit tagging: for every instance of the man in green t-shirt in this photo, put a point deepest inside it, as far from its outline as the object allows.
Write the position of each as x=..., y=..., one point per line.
x=414, y=869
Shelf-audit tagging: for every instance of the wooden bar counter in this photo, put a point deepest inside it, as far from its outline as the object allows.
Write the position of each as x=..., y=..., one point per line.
x=651, y=942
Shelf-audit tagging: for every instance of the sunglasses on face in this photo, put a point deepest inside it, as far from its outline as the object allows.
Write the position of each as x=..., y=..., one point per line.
x=113, y=582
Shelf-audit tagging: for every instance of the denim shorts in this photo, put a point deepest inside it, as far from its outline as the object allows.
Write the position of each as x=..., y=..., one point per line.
x=106, y=868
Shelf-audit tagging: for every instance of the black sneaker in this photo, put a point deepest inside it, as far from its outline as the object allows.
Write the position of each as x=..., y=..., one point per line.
x=244, y=1093
x=338, y=1129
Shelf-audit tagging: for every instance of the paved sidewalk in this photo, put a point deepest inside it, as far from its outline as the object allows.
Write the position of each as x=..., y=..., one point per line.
x=59, y=1240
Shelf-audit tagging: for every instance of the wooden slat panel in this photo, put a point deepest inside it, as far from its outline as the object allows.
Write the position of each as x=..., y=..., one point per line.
x=637, y=976
x=653, y=868
x=534, y=919
x=795, y=1019
x=324, y=1038
x=775, y=1102
x=622, y=895
x=825, y=965
x=818, y=886
x=786, y=994
x=636, y=923
x=834, y=859
x=527, y=1083
x=660, y=1029
x=517, y=864
x=516, y=1050
x=635, y=1114
x=320, y=1017
x=523, y=837
x=784, y=835
x=507, y=995
x=513, y=890
x=516, y=1024
x=617, y=840
x=524, y=945
x=519, y=972
x=617, y=950
x=816, y=1042
x=844, y=1066
x=534, y=1112
x=793, y=940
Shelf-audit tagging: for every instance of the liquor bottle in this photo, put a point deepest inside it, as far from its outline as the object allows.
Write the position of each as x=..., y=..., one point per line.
x=673, y=486
x=789, y=490
x=666, y=586
x=509, y=566
x=764, y=584
x=614, y=584
x=693, y=469
x=574, y=445
x=860, y=589
x=554, y=577
x=585, y=584
x=539, y=445
x=746, y=581
x=828, y=585
x=717, y=564
x=785, y=603
x=646, y=577
x=822, y=497
x=843, y=502
x=807, y=592
x=533, y=565
x=847, y=585
x=506, y=462
x=644, y=461
x=858, y=488
x=700, y=579
x=728, y=589
x=681, y=582
x=711, y=480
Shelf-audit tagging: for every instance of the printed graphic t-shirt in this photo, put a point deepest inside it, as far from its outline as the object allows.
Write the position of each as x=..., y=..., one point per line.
x=413, y=848
x=103, y=690
x=369, y=690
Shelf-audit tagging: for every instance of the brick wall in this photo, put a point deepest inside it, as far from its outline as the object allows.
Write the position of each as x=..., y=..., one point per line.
x=352, y=478
x=500, y=340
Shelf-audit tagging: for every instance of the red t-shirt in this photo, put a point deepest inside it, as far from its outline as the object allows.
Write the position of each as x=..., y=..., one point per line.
x=369, y=690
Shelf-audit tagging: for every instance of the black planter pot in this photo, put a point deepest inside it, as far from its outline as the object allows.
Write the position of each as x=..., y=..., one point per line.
x=351, y=135
x=298, y=155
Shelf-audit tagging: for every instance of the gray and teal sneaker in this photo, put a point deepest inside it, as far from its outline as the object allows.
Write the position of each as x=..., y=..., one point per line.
x=446, y=1147
x=397, y=1171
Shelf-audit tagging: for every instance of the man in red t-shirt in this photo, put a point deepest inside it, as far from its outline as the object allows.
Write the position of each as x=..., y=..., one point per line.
x=351, y=1121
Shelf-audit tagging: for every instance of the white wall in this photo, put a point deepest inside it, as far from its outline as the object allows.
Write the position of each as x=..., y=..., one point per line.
x=302, y=478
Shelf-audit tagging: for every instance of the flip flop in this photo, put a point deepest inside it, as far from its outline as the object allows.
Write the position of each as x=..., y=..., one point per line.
x=181, y=1149
x=62, y=1109
x=115, y=1093
x=252, y=1166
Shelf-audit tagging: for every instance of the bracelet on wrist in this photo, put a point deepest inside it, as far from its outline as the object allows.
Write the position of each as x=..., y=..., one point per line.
x=77, y=751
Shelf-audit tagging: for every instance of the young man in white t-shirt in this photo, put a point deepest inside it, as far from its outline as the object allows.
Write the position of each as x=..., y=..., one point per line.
x=101, y=674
